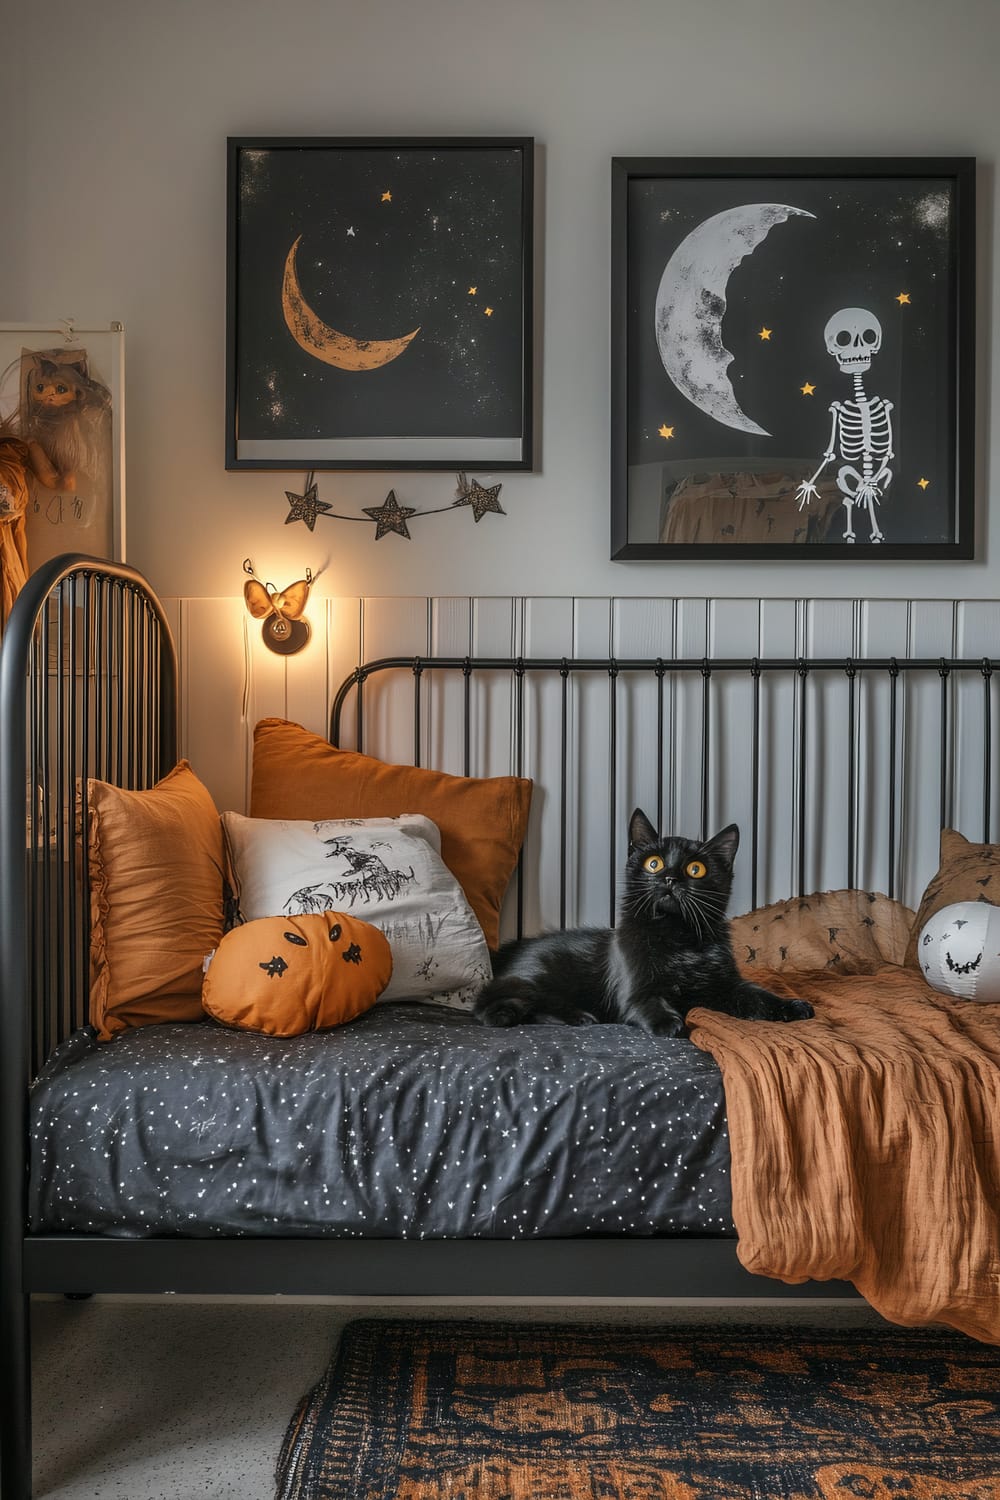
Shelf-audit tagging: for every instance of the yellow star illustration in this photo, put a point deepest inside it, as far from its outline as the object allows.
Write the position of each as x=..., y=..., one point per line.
x=488, y=311
x=386, y=196
x=473, y=290
x=903, y=297
x=665, y=431
x=923, y=483
x=765, y=333
x=807, y=389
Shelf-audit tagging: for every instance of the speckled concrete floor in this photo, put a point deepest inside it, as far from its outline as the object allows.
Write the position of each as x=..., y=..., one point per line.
x=171, y=1399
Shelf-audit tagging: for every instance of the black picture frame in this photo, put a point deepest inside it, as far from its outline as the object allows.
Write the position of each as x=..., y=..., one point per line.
x=379, y=303
x=695, y=269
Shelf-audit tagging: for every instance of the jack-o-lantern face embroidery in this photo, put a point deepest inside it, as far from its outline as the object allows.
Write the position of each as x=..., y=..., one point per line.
x=276, y=967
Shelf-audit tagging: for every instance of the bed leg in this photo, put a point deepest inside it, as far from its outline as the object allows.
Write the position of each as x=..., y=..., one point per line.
x=15, y=1407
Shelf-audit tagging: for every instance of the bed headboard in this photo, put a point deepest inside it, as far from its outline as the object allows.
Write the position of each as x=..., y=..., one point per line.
x=840, y=772
x=88, y=689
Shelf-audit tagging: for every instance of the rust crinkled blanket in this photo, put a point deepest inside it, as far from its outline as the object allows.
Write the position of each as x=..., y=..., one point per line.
x=866, y=1144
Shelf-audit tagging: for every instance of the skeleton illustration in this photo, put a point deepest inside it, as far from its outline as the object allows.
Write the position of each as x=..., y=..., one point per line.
x=861, y=432
x=367, y=875
x=308, y=900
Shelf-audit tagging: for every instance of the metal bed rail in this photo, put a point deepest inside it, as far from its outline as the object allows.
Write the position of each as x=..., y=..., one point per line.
x=872, y=711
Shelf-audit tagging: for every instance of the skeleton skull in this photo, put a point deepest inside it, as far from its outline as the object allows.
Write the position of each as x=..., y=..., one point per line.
x=852, y=336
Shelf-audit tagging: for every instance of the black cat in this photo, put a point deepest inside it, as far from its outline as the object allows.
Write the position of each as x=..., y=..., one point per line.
x=670, y=951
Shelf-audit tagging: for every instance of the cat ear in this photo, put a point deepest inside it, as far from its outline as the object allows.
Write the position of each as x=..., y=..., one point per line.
x=641, y=831
x=724, y=844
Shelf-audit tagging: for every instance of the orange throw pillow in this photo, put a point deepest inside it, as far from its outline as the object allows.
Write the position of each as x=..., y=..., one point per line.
x=482, y=821
x=155, y=900
x=286, y=975
x=968, y=872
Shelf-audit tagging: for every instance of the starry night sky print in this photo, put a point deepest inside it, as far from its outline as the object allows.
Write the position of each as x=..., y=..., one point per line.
x=869, y=241
x=376, y=268
x=411, y=1121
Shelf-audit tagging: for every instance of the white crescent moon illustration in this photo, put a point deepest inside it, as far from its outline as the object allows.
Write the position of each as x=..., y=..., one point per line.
x=691, y=301
x=323, y=342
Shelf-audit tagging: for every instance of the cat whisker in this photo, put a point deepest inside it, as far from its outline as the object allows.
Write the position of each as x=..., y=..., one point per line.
x=691, y=913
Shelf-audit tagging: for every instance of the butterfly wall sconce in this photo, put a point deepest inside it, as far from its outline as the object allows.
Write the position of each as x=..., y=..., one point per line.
x=284, y=630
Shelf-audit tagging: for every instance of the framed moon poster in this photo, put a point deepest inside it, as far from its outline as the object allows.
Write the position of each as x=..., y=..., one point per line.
x=380, y=303
x=793, y=358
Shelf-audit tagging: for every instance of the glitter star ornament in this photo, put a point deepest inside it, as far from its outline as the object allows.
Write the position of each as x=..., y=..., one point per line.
x=305, y=507
x=480, y=498
x=391, y=516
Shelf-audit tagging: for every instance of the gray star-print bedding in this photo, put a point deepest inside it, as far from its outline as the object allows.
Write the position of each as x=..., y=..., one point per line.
x=412, y=1121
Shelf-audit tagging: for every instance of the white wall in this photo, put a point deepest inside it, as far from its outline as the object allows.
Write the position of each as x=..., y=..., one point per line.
x=113, y=145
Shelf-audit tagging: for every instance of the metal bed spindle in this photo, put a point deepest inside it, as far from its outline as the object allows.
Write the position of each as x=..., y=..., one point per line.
x=987, y=671
x=800, y=832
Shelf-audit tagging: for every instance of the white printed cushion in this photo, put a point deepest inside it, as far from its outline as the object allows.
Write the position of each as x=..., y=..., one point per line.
x=389, y=872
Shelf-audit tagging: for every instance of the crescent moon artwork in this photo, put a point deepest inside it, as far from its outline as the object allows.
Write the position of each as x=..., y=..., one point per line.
x=325, y=343
x=691, y=303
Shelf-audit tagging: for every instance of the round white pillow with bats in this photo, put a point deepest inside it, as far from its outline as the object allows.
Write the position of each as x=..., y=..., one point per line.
x=959, y=951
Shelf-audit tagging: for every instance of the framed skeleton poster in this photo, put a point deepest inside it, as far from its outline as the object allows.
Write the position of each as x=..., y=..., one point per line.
x=793, y=358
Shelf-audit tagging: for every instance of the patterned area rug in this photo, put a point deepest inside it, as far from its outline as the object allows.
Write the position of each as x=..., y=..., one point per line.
x=472, y=1411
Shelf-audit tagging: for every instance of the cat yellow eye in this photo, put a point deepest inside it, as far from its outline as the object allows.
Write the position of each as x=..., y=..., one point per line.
x=695, y=869
x=654, y=864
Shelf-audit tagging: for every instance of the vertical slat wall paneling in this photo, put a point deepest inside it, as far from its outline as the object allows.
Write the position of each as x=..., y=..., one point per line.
x=977, y=633
x=450, y=635
x=831, y=630
x=392, y=627
x=212, y=678
x=599, y=797
x=734, y=626
x=267, y=685
x=309, y=680
x=572, y=852
x=776, y=801
x=885, y=632
x=687, y=701
x=644, y=629
x=931, y=634
x=548, y=631
x=496, y=631
x=343, y=653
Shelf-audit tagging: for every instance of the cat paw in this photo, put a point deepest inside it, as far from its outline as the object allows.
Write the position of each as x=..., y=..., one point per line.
x=669, y=1028
x=501, y=1013
x=797, y=1010
x=667, y=1025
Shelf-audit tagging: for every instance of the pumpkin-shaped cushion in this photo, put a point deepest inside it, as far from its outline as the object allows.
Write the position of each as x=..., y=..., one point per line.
x=286, y=975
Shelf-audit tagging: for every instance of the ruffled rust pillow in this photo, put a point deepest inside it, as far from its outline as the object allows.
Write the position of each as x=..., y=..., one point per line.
x=844, y=932
x=156, y=902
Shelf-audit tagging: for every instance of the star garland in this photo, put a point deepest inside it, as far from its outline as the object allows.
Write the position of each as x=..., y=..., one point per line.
x=390, y=516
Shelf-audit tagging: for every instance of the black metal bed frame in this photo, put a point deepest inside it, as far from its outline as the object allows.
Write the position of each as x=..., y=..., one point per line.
x=88, y=689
